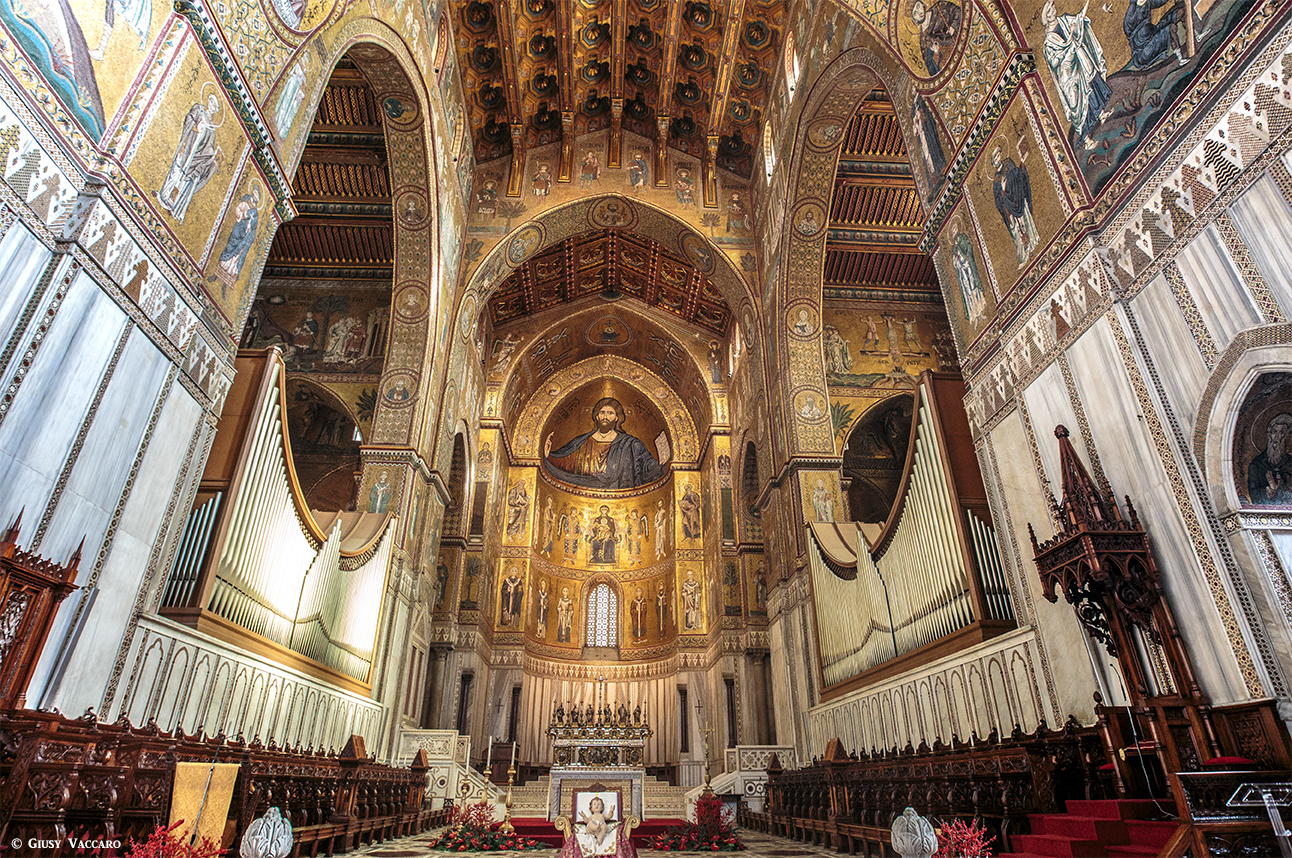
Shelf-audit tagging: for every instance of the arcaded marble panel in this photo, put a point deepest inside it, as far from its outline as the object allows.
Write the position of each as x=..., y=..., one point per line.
x=1174, y=350
x=1224, y=302
x=1134, y=468
x=103, y=465
x=124, y=567
x=50, y=407
x=1265, y=223
x=1059, y=633
x=22, y=259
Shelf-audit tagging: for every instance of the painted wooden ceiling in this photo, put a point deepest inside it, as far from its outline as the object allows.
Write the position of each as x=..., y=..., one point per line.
x=610, y=262
x=342, y=191
x=875, y=212
x=691, y=73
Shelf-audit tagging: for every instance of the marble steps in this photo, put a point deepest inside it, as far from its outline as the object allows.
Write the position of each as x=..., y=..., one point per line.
x=662, y=800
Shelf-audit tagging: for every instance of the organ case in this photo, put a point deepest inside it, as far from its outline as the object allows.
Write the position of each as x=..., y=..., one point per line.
x=256, y=567
x=932, y=581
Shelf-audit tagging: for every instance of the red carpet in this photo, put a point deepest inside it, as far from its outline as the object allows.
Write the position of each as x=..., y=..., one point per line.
x=545, y=832
x=1095, y=828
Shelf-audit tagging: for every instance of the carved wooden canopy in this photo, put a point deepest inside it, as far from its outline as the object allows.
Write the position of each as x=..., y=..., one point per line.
x=1099, y=561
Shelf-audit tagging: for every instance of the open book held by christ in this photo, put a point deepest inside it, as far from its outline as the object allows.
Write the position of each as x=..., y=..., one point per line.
x=607, y=457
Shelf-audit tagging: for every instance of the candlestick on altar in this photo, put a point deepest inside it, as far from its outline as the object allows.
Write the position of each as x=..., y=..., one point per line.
x=507, y=827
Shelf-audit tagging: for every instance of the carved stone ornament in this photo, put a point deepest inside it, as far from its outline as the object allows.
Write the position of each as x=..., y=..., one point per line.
x=270, y=836
x=913, y=836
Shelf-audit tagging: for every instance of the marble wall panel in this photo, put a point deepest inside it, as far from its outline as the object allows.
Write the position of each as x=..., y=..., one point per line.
x=1063, y=645
x=123, y=566
x=50, y=406
x=103, y=464
x=22, y=260
x=1121, y=437
x=1217, y=289
x=1265, y=223
x=1166, y=332
x=1048, y=405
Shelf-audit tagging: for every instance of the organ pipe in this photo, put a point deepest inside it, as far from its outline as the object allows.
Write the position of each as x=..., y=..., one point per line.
x=937, y=554
x=252, y=553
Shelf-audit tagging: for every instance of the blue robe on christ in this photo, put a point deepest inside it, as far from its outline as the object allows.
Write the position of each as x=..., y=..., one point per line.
x=628, y=464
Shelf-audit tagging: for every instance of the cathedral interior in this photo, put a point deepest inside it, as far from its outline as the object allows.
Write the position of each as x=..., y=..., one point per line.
x=908, y=373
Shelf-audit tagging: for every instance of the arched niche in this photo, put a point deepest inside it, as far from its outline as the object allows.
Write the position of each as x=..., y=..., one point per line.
x=325, y=450
x=795, y=287
x=455, y=517
x=526, y=426
x=582, y=410
x=874, y=457
x=576, y=334
x=399, y=88
x=1261, y=465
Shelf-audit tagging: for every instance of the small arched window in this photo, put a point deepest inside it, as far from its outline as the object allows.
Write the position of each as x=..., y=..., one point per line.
x=791, y=65
x=769, y=150
x=603, y=617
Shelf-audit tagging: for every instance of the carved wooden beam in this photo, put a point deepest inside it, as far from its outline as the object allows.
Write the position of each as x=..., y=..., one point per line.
x=875, y=181
x=667, y=74
x=567, y=146
x=511, y=79
x=565, y=74
x=709, y=185
x=721, y=94
x=618, y=67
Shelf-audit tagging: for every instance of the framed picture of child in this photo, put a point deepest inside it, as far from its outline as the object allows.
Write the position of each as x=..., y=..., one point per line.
x=596, y=819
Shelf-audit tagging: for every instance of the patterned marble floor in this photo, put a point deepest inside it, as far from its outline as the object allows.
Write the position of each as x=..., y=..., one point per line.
x=759, y=846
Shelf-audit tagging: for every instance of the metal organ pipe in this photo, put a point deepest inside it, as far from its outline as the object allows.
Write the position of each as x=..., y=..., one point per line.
x=923, y=557
x=273, y=575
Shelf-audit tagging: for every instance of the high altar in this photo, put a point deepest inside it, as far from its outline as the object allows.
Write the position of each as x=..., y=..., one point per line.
x=597, y=750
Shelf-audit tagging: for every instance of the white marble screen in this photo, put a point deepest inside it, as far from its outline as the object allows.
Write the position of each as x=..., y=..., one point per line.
x=54, y=399
x=22, y=259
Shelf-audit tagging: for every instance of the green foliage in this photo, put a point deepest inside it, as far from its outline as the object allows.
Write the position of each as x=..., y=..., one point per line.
x=840, y=417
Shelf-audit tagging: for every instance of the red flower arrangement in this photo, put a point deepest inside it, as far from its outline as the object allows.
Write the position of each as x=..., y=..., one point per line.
x=712, y=830
x=957, y=839
x=163, y=843
x=472, y=829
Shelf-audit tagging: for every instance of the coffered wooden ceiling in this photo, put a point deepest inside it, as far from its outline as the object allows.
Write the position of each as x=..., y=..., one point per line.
x=610, y=262
x=342, y=191
x=875, y=213
x=692, y=73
